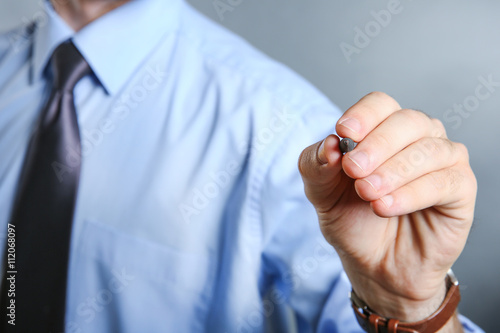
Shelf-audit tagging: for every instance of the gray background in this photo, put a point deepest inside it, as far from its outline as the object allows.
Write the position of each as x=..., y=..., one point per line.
x=429, y=56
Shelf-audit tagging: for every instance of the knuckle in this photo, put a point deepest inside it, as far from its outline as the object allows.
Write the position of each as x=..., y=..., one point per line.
x=439, y=180
x=418, y=118
x=473, y=182
x=390, y=180
x=455, y=179
x=439, y=129
x=432, y=147
x=398, y=170
x=468, y=176
x=385, y=99
x=463, y=184
x=378, y=94
x=380, y=141
x=462, y=150
x=449, y=180
x=362, y=110
x=440, y=148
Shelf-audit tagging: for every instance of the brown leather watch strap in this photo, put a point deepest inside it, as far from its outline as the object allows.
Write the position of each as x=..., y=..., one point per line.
x=374, y=323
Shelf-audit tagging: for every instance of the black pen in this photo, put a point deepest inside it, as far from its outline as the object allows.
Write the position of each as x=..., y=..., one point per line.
x=346, y=145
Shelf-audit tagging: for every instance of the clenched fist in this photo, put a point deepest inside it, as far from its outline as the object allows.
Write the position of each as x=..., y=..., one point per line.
x=398, y=208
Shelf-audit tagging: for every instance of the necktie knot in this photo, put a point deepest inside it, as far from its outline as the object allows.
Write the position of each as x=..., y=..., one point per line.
x=68, y=66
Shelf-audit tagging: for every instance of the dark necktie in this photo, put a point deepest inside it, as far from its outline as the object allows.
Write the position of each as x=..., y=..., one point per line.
x=43, y=209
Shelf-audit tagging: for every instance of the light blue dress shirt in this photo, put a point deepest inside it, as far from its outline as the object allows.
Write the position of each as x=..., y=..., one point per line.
x=191, y=215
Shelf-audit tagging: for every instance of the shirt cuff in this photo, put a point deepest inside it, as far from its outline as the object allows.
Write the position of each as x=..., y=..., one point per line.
x=469, y=326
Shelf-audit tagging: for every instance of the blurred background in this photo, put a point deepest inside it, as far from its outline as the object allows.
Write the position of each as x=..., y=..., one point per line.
x=441, y=57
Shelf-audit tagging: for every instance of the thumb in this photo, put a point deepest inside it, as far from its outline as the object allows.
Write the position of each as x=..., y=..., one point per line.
x=321, y=169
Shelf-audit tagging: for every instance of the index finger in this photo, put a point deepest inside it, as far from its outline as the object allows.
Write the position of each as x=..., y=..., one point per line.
x=361, y=118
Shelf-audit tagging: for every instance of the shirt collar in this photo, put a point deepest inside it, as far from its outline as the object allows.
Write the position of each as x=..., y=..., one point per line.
x=50, y=31
x=115, y=44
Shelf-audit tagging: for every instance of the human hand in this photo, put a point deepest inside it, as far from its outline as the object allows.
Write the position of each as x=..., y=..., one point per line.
x=398, y=208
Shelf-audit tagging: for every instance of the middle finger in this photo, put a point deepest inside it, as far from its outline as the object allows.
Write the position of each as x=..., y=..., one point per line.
x=396, y=132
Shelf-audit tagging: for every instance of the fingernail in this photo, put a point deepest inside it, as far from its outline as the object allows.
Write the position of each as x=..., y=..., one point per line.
x=351, y=124
x=375, y=181
x=388, y=200
x=360, y=158
x=321, y=153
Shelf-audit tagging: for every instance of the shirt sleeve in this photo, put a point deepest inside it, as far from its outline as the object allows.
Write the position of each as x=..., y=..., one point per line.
x=298, y=264
x=469, y=326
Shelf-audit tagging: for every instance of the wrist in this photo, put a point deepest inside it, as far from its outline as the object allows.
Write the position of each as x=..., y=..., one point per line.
x=405, y=309
x=443, y=319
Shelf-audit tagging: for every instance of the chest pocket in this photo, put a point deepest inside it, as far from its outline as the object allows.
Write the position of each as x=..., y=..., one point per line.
x=122, y=283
